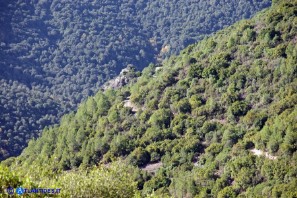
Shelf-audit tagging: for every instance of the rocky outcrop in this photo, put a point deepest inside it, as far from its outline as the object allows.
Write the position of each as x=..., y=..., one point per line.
x=126, y=76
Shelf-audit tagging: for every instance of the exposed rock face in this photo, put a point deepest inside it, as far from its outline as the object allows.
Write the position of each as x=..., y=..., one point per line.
x=127, y=75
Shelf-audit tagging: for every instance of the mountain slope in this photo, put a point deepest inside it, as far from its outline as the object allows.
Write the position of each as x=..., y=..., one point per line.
x=200, y=116
x=55, y=54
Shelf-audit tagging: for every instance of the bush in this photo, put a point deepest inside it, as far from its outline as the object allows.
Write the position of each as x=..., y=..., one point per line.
x=112, y=181
x=184, y=106
x=8, y=179
x=227, y=192
x=139, y=157
x=161, y=118
x=239, y=108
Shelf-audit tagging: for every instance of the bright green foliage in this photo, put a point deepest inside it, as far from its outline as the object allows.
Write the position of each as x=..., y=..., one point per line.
x=227, y=192
x=160, y=118
x=113, y=180
x=110, y=182
x=8, y=179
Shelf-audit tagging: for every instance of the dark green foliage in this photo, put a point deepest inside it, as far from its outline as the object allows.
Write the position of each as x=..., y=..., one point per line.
x=193, y=135
x=183, y=106
x=139, y=157
x=160, y=118
x=55, y=54
x=239, y=108
x=158, y=182
x=195, y=71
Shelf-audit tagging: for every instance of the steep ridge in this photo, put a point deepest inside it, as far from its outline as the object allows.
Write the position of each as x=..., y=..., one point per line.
x=198, y=118
x=54, y=54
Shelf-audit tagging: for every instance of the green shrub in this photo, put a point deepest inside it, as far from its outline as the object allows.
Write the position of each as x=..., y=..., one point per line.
x=111, y=181
x=239, y=108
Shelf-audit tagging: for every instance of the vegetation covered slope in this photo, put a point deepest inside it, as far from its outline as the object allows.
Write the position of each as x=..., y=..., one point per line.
x=56, y=53
x=200, y=115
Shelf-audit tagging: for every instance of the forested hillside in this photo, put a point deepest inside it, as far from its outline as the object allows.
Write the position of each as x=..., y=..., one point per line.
x=218, y=120
x=56, y=53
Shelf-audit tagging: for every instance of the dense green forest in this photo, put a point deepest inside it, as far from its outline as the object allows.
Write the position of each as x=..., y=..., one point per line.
x=54, y=54
x=218, y=120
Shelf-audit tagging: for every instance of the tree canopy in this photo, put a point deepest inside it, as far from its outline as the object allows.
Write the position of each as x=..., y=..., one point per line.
x=54, y=54
x=218, y=120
